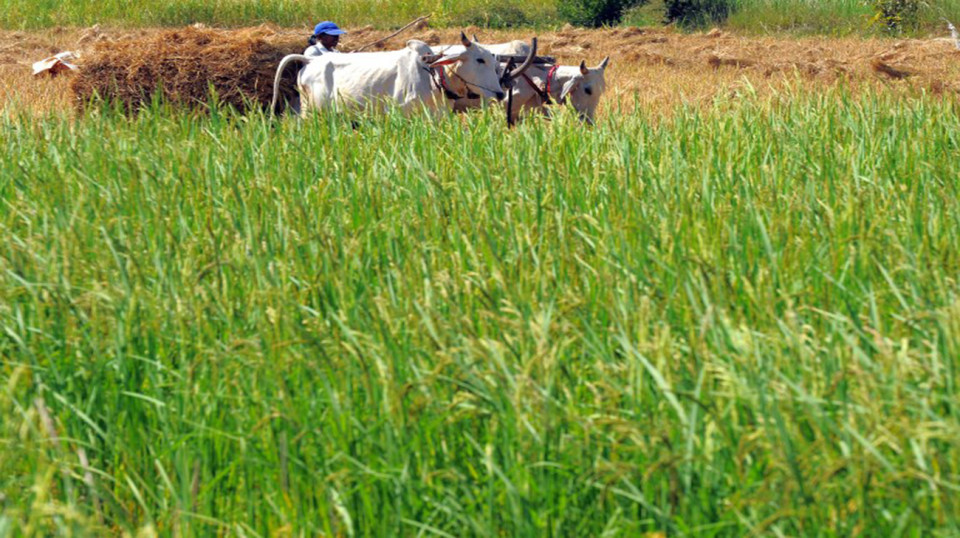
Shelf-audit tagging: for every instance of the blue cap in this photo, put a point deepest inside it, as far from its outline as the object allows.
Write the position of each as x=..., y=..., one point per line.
x=327, y=27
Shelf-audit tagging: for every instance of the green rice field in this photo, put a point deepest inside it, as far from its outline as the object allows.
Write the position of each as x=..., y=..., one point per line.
x=740, y=319
x=831, y=17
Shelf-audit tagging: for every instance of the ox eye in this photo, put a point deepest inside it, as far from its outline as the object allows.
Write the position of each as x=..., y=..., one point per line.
x=588, y=91
x=481, y=61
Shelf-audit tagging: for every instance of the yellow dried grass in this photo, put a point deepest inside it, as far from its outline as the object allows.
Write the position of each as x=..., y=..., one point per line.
x=653, y=68
x=184, y=65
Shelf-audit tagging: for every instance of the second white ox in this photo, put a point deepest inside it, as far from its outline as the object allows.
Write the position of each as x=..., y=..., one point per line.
x=581, y=86
x=410, y=78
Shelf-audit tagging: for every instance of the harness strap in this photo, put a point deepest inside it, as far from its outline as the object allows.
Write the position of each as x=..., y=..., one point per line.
x=440, y=81
x=544, y=96
x=550, y=74
x=470, y=94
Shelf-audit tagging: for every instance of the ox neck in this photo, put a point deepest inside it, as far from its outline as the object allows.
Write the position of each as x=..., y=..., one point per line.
x=442, y=81
x=455, y=83
x=554, y=79
x=452, y=85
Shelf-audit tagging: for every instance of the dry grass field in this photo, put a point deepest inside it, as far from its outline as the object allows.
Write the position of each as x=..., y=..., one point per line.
x=653, y=68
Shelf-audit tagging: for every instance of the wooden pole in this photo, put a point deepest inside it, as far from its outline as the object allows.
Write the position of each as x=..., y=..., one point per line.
x=395, y=34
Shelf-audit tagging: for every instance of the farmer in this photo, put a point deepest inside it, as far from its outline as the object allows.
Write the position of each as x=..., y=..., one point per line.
x=328, y=34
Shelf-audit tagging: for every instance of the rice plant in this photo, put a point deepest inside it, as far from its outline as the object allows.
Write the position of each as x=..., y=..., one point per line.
x=730, y=320
x=33, y=14
x=798, y=16
x=835, y=17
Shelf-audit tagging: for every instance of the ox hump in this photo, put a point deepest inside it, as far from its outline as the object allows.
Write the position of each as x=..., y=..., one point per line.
x=420, y=47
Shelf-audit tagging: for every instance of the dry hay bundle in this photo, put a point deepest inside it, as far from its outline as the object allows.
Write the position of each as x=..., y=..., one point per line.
x=184, y=65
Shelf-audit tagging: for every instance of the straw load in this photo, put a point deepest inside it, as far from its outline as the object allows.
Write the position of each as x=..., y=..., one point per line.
x=183, y=66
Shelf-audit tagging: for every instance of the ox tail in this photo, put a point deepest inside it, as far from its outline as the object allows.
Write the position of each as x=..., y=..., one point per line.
x=288, y=59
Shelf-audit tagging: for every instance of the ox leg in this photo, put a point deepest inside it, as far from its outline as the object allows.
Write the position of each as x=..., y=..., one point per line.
x=526, y=101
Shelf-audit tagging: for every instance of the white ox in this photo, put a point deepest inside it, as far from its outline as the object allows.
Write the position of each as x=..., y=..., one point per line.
x=581, y=86
x=410, y=78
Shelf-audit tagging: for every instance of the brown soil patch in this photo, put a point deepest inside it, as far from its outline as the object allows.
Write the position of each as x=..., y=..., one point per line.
x=653, y=68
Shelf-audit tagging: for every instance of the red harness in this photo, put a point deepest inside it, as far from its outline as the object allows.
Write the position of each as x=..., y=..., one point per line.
x=444, y=85
x=550, y=74
x=543, y=93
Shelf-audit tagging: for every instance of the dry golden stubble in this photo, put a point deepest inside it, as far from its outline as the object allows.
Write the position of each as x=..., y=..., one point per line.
x=651, y=68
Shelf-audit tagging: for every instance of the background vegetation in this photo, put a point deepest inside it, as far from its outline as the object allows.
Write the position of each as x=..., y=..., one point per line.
x=595, y=13
x=834, y=17
x=843, y=17
x=698, y=13
x=711, y=323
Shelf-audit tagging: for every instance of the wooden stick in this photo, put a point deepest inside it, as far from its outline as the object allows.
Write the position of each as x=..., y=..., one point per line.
x=537, y=60
x=395, y=34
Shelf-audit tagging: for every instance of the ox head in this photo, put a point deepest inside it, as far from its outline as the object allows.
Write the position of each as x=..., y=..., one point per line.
x=584, y=89
x=475, y=67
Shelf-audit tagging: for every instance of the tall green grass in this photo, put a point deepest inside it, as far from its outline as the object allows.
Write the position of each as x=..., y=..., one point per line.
x=813, y=17
x=33, y=14
x=742, y=319
x=834, y=17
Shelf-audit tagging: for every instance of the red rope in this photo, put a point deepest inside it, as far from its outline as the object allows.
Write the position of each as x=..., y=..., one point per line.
x=441, y=81
x=443, y=78
x=550, y=74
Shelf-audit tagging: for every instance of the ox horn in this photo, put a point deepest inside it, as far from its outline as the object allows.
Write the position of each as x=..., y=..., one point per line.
x=526, y=63
x=583, y=68
x=463, y=39
x=505, y=77
x=603, y=64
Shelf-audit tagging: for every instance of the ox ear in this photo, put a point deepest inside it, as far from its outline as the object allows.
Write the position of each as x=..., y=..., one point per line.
x=447, y=60
x=463, y=39
x=603, y=64
x=569, y=87
x=583, y=68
